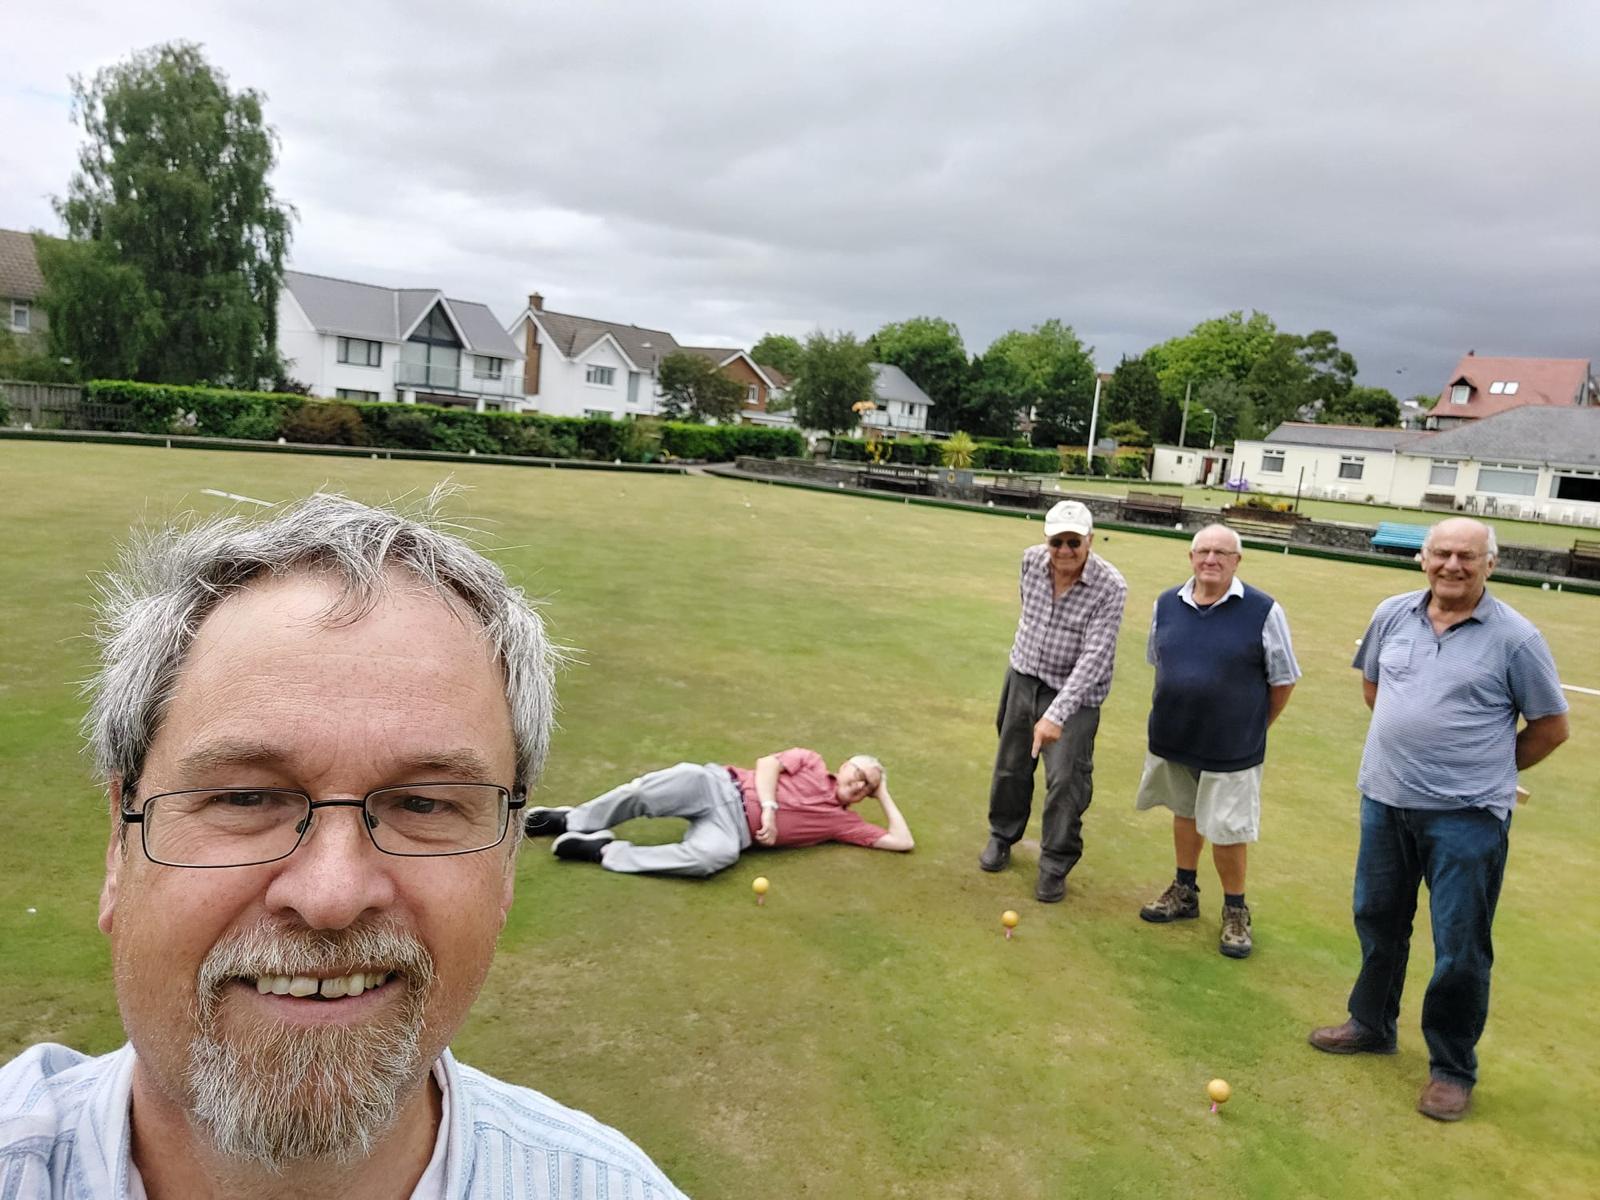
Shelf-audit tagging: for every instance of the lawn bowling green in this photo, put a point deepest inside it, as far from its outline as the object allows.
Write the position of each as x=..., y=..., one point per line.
x=876, y=1011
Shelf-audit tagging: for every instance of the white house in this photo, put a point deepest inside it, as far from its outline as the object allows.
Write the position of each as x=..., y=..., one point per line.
x=1189, y=465
x=903, y=407
x=580, y=366
x=359, y=341
x=1535, y=461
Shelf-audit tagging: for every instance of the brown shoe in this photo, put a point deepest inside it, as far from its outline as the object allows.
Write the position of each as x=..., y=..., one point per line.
x=1444, y=1101
x=1350, y=1038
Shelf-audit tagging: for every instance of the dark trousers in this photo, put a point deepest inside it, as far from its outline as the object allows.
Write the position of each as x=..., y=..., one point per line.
x=1068, y=773
x=1461, y=853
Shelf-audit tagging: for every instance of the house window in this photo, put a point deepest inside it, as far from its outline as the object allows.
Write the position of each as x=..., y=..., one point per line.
x=751, y=394
x=1497, y=387
x=1442, y=474
x=21, y=316
x=600, y=377
x=1507, y=480
x=603, y=413
x=1460, y=393
x=1271, y=464
x=1351, y=466
x=355, y=393
x=1584, y=486
x=1511, y=387
x=359, y=352
x=484, y=367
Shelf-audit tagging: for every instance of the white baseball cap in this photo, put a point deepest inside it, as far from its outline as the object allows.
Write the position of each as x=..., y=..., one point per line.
x=1068, y=517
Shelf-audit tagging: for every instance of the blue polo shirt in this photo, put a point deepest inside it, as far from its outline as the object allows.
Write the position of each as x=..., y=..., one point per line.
x=1444, y=724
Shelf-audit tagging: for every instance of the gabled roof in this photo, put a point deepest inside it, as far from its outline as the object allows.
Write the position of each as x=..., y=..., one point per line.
x=573, y=335
x=381, y=314
x=1559, y=435
x=894, y=384
x=1343, y=437
x=776, y=377
x=723, y=355
x=1549, y=381
x=19, y=267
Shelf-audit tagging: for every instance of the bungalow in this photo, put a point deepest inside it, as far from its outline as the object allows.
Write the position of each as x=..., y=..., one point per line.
x=903, y=407
x=360, y=341
x=1535, y=461
x=586, y=367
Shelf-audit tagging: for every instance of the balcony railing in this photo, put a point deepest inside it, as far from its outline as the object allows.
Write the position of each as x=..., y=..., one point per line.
x=466, y=380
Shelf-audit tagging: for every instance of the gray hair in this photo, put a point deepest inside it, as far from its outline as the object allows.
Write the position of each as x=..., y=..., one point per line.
x=867, y=763
x=1491, y=544
x=169, y=580
x=1233, y=535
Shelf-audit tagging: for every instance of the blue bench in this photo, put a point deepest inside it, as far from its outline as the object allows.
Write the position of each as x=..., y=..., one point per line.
x=1393, y=535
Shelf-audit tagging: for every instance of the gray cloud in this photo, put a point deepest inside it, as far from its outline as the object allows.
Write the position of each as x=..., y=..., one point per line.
x=1412, y=176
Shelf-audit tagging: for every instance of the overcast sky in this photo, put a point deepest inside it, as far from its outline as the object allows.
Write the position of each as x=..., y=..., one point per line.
x=1414, y=176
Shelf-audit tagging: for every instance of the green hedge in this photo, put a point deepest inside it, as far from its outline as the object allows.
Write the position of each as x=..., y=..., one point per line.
x=919, y=452
x=267, y=416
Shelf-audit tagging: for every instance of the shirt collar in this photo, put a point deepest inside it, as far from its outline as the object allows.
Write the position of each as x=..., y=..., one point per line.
x=1482, y=611
x=1186, y=592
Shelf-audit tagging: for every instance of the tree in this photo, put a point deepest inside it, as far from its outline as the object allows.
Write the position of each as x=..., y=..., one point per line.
x=1426, y=400
x=834, y=375
x=1134, y=394
x=177, y=238
x=779, y=350
x=1279, y=383
x=930, y=352
x=1331, y=372
x=693, y=386
x=991, y=401
x=1226, y=347
x=1128, y=433
x=1236, y=413
x=1049, y=371
x=1363, y=406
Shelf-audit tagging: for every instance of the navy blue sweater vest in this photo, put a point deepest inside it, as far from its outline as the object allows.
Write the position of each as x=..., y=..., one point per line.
x=1210, y=705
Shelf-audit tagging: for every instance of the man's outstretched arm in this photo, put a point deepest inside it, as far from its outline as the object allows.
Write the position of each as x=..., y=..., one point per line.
x=899, y=835
x=768, y=768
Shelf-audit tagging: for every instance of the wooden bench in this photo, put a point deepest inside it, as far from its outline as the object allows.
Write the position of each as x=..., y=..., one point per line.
x=1585, y=558
x=1396, y=535
x=891, y=478
x=1021, y=488
x=1439, y=500
x=1266, y=523
x=1142, y=506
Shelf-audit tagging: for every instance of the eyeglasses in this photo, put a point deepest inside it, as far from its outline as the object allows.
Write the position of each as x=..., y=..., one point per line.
x=1216, y=554
x=245, y=827
x=1071, y=543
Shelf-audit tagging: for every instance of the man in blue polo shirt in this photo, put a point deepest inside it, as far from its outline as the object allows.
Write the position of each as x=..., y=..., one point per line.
x=1224, y=670
x=1447, y=672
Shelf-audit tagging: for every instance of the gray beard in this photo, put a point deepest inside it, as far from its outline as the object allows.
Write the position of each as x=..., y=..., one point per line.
x=279, y=1095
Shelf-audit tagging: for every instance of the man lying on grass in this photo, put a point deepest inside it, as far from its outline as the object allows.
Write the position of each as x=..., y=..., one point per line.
x=790, y=799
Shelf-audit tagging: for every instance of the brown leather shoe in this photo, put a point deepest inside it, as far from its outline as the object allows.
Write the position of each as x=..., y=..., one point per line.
x=1444, y=1101
x=1350, y=1038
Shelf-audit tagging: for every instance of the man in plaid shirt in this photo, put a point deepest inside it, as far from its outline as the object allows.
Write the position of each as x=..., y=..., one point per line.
x=1060, y=674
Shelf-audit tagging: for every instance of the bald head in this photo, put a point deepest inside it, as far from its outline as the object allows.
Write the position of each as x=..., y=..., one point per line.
x=1464, y=527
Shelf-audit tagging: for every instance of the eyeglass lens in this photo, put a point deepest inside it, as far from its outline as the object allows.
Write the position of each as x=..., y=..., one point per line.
x=1071, y=543
x=242, y=826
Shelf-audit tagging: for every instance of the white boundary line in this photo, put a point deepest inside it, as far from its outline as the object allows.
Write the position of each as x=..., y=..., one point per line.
x=1572, y=687
x=232, y=496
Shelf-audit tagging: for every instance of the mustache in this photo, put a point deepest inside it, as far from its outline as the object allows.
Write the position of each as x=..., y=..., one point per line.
x=273, y=949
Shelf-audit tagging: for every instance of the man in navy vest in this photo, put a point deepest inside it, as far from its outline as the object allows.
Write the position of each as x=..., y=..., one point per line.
x=1224, y=670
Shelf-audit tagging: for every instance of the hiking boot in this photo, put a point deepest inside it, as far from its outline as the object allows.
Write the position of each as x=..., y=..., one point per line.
x=1235, y=941
x=1444, y=1101
x=995, y=855
x=1051, y=888
x=1179, y=902
x=581, y=847
x=546, y=822
x=1350, y=1038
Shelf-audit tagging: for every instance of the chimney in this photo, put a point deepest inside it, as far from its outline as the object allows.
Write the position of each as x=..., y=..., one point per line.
x=536, y=302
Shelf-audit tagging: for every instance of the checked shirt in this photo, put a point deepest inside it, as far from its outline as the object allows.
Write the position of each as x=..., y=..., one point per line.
x=1070, y=643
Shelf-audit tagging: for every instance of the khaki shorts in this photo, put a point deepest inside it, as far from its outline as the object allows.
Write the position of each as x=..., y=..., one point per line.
x=1224, y=805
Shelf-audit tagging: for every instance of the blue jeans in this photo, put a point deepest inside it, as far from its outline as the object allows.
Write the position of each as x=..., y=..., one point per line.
x=1461, y=853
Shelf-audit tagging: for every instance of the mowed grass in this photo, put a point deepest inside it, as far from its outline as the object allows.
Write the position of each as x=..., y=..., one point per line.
x=869, y=1032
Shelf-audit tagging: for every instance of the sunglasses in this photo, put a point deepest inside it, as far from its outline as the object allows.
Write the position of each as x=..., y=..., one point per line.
x=1071, y=543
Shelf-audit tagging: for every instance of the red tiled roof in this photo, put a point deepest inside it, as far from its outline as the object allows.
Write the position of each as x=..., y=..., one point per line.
x=1550, y=381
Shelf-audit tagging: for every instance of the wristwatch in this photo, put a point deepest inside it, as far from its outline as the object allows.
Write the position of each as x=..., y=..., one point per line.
x=769, y=806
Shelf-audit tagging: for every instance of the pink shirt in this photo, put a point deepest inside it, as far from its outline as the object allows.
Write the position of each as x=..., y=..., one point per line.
x=809, y=811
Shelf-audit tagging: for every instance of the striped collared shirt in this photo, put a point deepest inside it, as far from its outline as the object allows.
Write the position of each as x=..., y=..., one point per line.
x=1070, y=643
x=65, y=1134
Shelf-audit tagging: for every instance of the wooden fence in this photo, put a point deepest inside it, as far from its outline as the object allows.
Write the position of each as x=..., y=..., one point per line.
x=58, y=406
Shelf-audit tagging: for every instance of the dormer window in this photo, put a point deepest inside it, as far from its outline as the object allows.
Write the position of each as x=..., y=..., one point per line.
x=1460, y=393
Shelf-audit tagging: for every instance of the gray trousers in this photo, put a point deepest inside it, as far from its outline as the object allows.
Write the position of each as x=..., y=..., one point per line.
x=706, y=795
x=1068, y=773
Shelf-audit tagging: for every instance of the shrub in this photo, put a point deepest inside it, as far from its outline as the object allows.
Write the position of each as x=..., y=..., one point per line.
x=1006, y=458
x=1074, y=462
x=957, y=452
x=1127, y=466
x=326, y=425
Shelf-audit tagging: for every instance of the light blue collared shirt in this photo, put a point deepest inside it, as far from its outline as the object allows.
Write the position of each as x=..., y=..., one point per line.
x=65, y=1134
